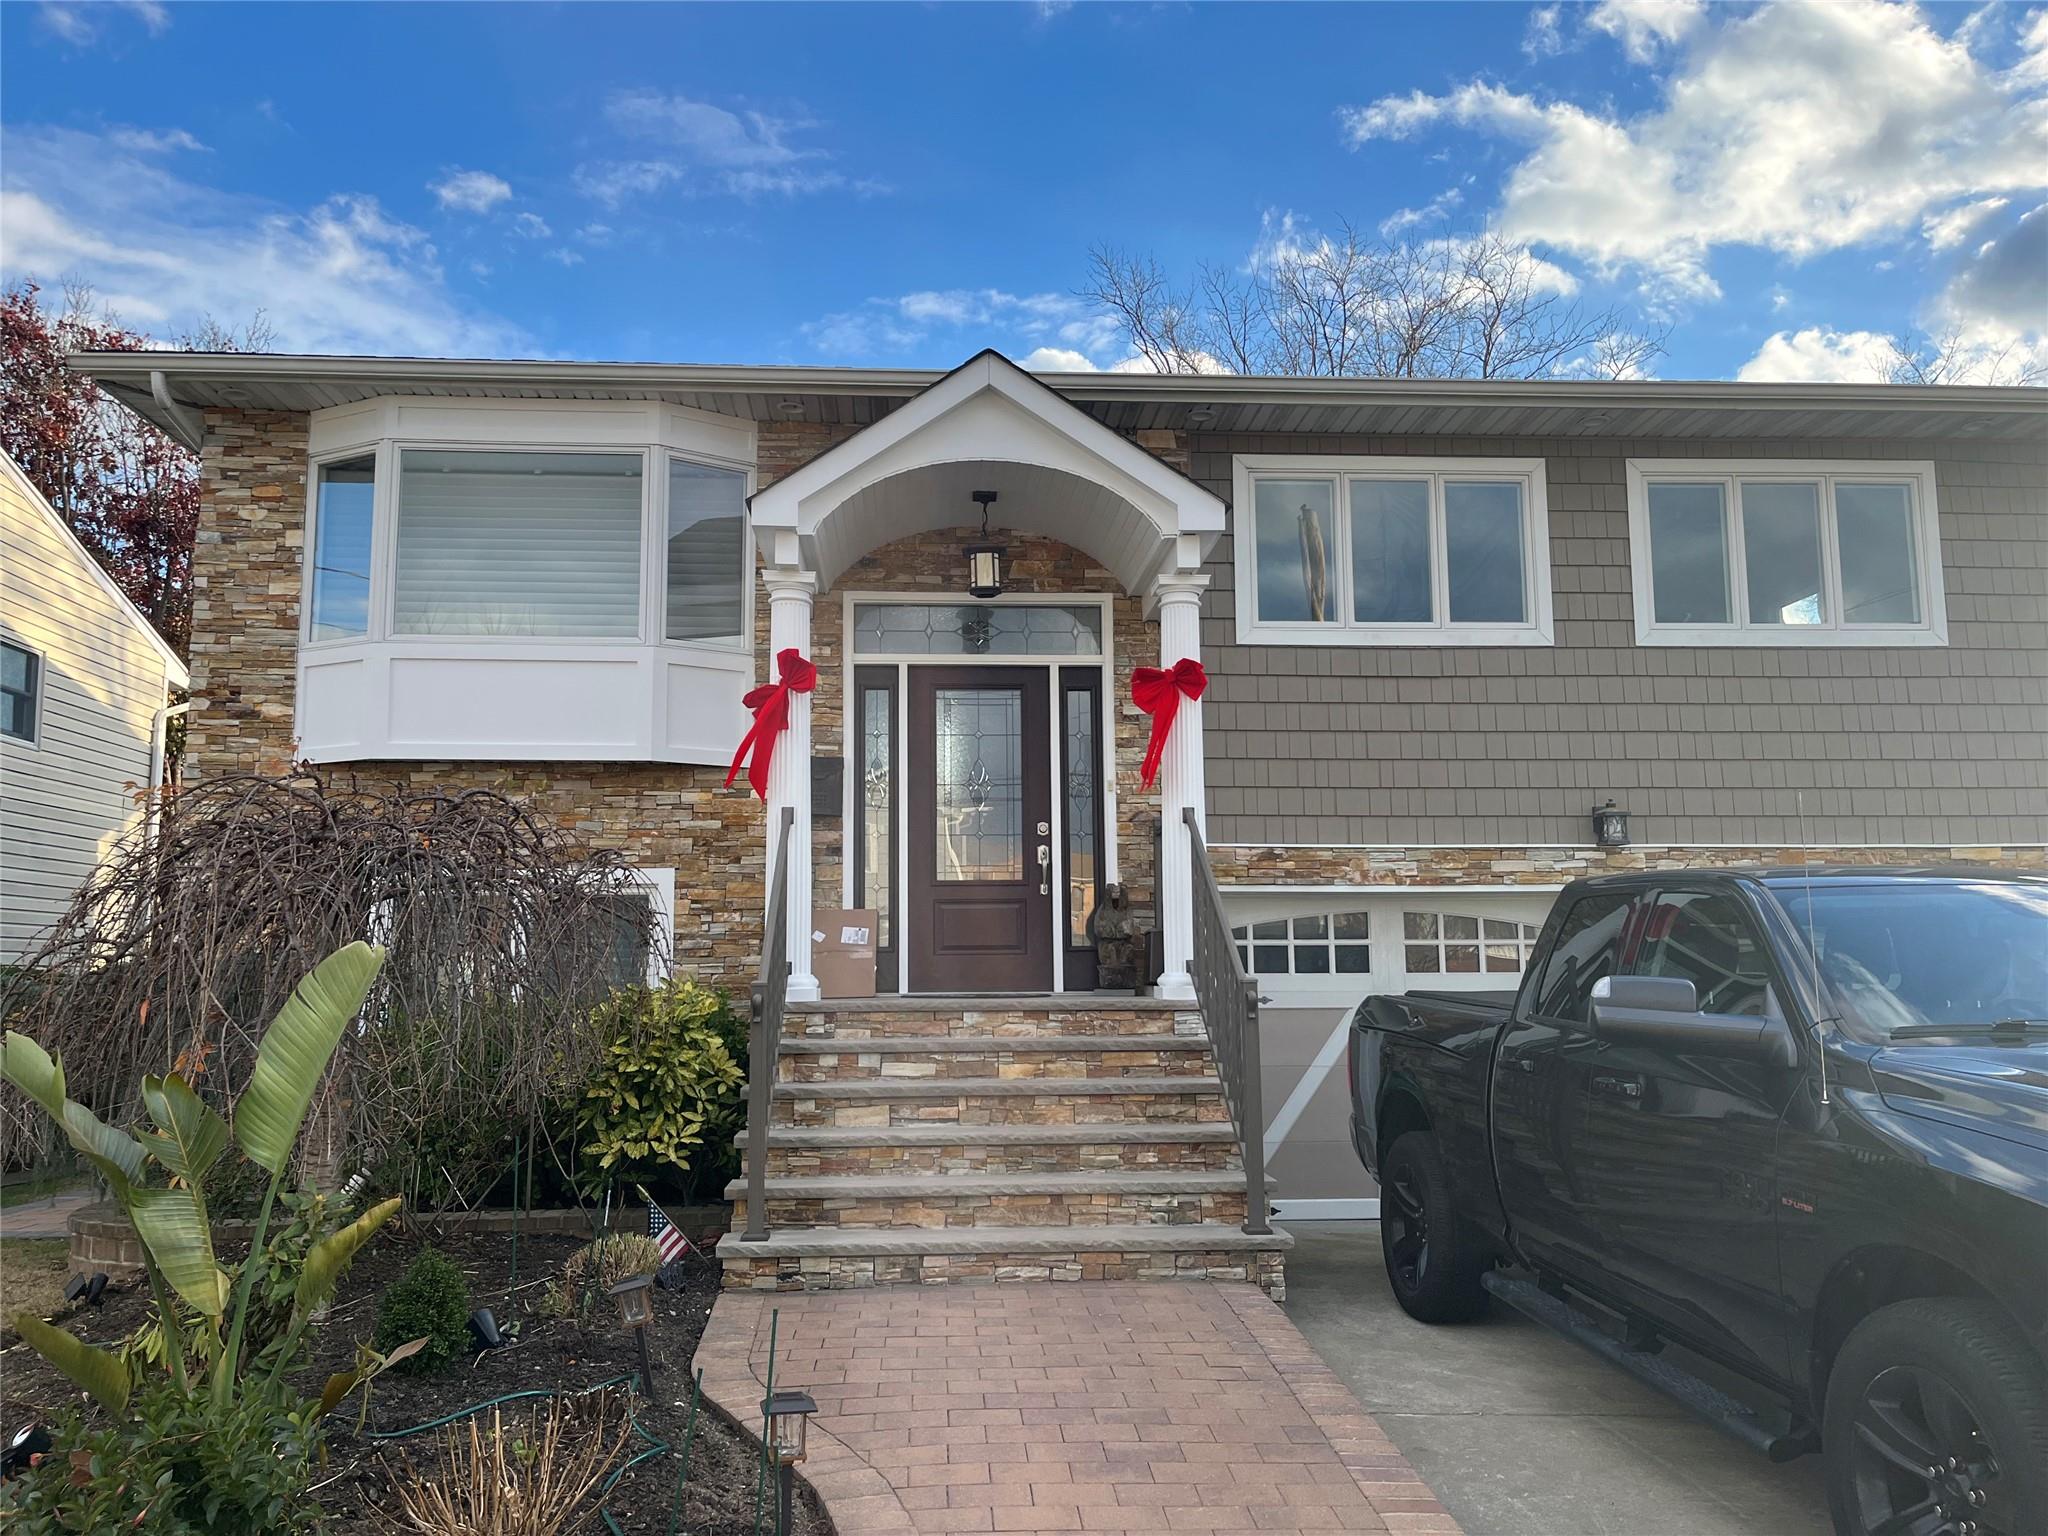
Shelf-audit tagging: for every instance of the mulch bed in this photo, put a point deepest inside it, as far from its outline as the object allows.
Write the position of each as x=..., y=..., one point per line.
x=556, y=1355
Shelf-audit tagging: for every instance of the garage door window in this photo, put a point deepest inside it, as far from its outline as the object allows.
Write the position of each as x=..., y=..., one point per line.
x=1319, y=944
x=1435, y=943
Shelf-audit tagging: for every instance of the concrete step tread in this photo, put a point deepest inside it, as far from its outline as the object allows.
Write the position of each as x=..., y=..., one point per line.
x=1112, y=1133
x=859, y=1089
x=974, y=1045
x=996, y=1002
x=1149, y=1181
x=1186, y=1237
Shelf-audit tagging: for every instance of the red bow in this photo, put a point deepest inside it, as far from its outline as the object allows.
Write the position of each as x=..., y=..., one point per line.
x=1157, y=691
x=770, y=704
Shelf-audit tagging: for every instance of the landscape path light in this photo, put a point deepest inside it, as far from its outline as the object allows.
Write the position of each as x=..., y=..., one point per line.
x=635, y=1298
x=789, y=1418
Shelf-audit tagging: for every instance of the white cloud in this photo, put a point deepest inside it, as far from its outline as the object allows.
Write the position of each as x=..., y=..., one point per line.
x=1435, y=211
x=1643, y=27
x=2001, y=292
x=1056, y=360
x=701, y=149
x=1953, y=225
x=1045, y=324
x=79, y=24
x=1797, y=127
x=1818, y=355
x=339, y=276
x=1543, y=38
x=471, y=191
x=530, y=226
x=146, y=141
x=566, y=257
x=595, y=234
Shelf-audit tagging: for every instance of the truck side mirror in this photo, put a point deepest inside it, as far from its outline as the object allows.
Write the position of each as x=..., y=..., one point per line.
x=1662, y=1012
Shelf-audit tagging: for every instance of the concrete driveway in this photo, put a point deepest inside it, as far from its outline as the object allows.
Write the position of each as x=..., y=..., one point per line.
x=1521, y=1433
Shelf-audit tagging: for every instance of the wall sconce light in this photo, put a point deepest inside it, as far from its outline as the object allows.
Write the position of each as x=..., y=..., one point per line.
x=789, y=1418
x=984, y=560
x=1610, y=826
x=635, y=1299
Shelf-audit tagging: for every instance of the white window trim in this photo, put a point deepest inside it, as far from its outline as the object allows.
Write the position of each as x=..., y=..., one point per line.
x=1248, y=468
x=1918, y=473
x=32, y=742
x=658, y=884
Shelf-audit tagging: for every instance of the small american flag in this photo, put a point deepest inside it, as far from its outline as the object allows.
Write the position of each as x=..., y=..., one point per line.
x=668, y=1237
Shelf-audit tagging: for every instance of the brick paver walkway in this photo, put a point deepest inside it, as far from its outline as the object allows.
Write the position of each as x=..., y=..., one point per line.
x=1118, y=1406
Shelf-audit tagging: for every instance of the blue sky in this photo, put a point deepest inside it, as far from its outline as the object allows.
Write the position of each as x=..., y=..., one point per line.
x=1781, y=185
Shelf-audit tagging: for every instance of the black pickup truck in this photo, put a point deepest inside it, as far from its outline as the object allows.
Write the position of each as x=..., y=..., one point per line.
x=1794, y=1121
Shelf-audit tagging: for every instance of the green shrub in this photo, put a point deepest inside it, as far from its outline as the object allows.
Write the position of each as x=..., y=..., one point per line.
x=431, y=1302
x=666, y=1085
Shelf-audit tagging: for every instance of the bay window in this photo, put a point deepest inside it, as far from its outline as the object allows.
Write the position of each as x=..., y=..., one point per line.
x=343, y=520
x=518, y=543
x=707, y=555
x=1392, y=551
x=1779, y=552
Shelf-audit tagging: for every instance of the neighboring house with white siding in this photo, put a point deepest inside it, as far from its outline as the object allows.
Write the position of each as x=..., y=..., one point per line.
x=84, y=681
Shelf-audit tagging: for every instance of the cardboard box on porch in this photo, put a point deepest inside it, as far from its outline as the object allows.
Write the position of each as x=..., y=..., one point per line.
x=843, y=951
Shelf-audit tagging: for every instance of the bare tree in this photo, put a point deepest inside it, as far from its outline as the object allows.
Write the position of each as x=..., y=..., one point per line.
x=1950, y=357
x=1348, y=305
x=257, y=334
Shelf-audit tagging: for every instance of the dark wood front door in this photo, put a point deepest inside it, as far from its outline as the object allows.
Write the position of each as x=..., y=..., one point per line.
x=979, y=894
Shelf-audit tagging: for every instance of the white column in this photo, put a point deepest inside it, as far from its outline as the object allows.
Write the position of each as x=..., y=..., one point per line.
x=790, y=595
x=1181, y=784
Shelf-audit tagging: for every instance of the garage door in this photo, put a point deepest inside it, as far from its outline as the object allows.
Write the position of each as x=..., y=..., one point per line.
x=1315, y=957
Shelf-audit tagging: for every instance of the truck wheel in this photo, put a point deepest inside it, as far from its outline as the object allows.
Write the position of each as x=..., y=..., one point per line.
x=1937, y=1420
x=1432, y=1262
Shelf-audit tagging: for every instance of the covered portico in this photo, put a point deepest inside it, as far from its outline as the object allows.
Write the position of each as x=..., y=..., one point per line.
x=1059, y=475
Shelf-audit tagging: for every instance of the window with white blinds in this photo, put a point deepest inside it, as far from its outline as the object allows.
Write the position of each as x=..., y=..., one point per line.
x=707, y=569
x=520, y=544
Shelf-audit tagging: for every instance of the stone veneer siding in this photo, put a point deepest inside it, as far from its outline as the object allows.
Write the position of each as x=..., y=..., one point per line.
x=1344, y=868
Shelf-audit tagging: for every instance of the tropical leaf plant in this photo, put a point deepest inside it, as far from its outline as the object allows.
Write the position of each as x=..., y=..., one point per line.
x=234, y=1381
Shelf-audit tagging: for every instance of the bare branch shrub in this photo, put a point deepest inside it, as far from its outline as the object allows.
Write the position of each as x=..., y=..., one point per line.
x=536, y=1481
x=502, y=934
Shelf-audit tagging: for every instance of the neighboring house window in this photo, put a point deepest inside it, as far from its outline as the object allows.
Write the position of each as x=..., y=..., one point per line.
x=343, y=522
x=21, y=686
x=1392, y=551
x=707, y=556
x=518, y=543
x=1783, y=552
x=643, y=934
x=1445, y=942
x=1320, y=944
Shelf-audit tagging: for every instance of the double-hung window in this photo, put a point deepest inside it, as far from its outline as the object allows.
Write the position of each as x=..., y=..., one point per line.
x=1392, y=551
x=1780, y=552
x=21, y=688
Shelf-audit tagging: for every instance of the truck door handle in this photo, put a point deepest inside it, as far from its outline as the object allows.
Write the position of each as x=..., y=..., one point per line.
x=1044, y=870
x=1617, y=1086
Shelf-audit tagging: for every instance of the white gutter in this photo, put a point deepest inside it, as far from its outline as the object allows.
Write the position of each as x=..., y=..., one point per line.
x=157, y=727
x=188, y=428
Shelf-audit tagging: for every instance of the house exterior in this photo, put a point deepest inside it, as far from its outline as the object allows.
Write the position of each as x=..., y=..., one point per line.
x=1441, y=622
x=85, y=682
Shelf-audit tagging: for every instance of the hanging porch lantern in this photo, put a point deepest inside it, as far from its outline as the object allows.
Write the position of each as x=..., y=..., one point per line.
x=984, y=560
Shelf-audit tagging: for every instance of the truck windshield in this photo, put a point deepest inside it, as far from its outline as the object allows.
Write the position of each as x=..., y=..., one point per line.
x=1905, y=955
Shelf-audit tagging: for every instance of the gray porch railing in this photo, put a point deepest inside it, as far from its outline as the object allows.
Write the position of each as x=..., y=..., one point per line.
x=764, y=1034
x=1230, y=1008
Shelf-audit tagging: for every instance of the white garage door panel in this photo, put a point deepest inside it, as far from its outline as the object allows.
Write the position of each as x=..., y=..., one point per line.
x=1306, y=1008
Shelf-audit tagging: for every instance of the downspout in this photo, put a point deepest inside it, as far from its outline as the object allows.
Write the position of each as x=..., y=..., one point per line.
x=186, y=427
x=157, y=726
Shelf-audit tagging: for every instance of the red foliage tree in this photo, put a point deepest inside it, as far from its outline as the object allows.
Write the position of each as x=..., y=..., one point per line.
x=129, y=492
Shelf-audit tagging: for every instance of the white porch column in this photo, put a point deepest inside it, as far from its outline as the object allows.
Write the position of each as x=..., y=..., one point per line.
x=1181, y=783
x=790, y=595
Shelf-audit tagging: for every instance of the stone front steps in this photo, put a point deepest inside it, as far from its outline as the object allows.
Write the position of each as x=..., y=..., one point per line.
x=937, y=1139
x=901, y=1149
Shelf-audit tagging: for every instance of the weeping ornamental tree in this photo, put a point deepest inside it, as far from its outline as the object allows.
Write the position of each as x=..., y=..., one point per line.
x=501, y=937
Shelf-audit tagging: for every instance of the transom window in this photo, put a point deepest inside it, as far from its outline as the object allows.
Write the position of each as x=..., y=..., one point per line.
x=1319, y=944
x=977, y=629
x=1392, y=551
x=1439, y=943
x=1774, y=552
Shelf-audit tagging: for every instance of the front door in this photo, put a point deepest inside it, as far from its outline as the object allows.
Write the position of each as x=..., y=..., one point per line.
x=979, y=882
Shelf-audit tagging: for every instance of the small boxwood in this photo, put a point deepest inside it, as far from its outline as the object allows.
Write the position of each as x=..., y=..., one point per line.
x=430, y=1301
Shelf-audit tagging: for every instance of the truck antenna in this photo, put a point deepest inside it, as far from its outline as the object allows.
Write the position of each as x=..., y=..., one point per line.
x=1813, y=952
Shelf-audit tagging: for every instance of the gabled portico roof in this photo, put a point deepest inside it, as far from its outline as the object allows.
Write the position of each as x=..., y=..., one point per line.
x=989, y=425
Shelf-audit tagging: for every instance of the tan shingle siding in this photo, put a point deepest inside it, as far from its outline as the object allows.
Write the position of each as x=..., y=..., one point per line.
x=1941, y=745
